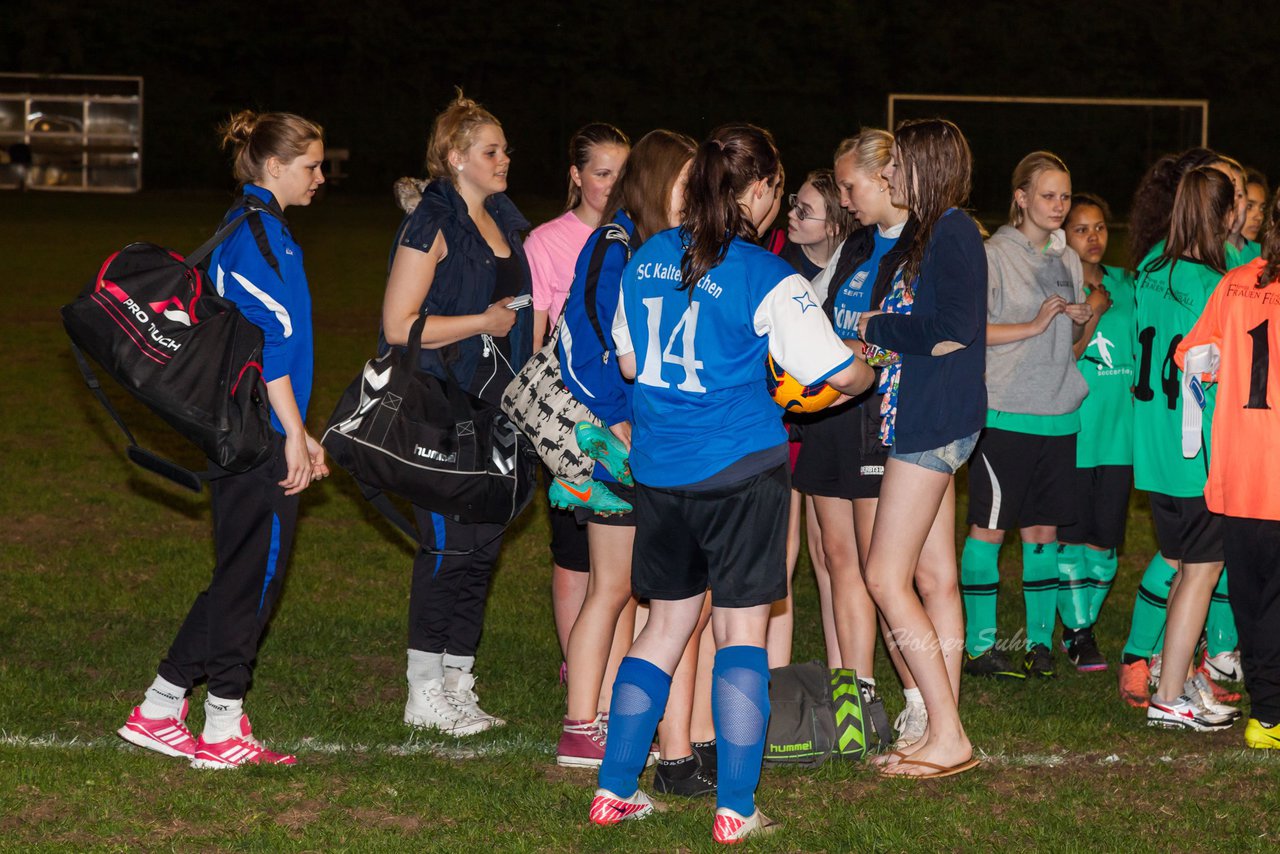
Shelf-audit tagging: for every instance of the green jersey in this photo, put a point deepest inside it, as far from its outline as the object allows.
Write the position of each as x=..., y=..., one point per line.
x=1236, y=257
x=1169, y=301
x=1106, y=415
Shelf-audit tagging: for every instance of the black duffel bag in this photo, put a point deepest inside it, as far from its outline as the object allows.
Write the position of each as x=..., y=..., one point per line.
x=153, y=321
x=401, y=430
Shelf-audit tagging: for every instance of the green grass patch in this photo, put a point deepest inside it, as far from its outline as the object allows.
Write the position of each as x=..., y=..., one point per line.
x=101, y=560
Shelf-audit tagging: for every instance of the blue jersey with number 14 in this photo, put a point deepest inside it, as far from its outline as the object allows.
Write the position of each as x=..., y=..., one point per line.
x=700, y=402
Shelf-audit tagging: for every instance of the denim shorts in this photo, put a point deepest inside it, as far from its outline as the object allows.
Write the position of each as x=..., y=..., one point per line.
x=946, y=459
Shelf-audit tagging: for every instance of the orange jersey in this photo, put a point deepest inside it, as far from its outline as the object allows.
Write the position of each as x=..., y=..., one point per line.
x=1232, y=342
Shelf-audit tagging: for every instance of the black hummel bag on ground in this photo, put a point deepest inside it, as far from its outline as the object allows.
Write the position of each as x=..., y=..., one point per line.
x=155, y=324
x=401, y=430
x=816, y=713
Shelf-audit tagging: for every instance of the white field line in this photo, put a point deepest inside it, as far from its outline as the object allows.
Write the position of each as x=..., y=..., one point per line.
x=510, y=746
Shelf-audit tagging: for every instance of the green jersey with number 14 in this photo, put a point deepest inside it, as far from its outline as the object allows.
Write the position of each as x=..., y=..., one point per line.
x=1169, y=301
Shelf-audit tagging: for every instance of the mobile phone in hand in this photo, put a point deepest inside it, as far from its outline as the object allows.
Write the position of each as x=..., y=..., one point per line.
x=522, y=301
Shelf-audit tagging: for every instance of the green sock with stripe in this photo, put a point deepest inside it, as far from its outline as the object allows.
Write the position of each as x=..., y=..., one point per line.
x=1147, y=627
x=1100, y=568
x=1040, y=591
x=1220, y=626
x=979, y=582
x=1073, y=586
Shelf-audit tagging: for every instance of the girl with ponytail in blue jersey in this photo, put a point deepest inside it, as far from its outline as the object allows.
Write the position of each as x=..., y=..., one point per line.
x=702, y=305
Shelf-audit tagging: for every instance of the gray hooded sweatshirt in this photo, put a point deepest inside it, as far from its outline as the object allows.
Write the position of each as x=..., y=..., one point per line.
x=1037, y=375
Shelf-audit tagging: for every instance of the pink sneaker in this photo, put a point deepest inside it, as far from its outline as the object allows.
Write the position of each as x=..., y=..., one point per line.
x=237, y=750
x=169, y=736
x=581, y=744
x=608, y=808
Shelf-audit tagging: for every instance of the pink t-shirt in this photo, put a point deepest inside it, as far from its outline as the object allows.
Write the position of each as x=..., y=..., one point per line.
x=552, y=249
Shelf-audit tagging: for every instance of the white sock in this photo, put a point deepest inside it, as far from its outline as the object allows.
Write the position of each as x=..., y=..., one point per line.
x=913, y=696
x=163, y=700
x=424, y=666
x=460, y=662
x=222, y=718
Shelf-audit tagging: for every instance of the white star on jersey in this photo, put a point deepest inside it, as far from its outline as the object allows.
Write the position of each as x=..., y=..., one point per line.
x=805, y=301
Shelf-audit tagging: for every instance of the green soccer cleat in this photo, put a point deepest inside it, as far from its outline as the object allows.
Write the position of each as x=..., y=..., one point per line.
x=591, y=494
x=601, y=445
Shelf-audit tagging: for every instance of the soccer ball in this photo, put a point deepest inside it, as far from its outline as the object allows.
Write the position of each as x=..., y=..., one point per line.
x=794, y=397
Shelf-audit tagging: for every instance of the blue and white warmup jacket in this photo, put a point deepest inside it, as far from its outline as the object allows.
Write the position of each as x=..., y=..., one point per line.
x=588, y=365
x=700, y=401
x=278, y=303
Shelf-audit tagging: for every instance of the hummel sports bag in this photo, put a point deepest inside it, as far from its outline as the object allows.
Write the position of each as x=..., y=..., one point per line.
x=401, y=430
x=155, y=324
x=816, y=713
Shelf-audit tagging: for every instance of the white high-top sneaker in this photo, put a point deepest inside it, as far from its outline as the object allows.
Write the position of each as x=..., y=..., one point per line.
x=459, y=689
x=428, y=707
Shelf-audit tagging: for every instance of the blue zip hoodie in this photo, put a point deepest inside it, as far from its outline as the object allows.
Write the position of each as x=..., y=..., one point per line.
x=278, y=303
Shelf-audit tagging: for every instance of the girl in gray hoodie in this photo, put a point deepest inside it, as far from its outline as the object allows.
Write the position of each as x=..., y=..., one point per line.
x=1019, y=472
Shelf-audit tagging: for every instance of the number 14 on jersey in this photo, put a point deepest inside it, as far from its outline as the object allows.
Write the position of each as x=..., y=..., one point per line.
x=685, y=333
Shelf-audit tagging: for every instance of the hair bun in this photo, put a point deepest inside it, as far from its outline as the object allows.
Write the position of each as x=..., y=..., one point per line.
x=239, y=128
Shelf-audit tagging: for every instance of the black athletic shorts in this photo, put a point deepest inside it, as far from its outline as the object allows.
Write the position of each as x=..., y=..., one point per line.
x=842, y=455
x=1102, y=507
x=619, y=520
x=568, y=536
x=1017, y=480
x=1186, y=529
x=732, y=539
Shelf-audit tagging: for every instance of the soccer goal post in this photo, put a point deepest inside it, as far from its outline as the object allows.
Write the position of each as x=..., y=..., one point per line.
x=1107, y=143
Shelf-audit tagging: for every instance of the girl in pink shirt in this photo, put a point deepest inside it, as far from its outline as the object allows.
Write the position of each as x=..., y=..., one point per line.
x=596, y=154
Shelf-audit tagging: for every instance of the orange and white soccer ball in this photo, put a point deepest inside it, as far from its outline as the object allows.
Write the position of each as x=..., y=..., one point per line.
x=788, y=393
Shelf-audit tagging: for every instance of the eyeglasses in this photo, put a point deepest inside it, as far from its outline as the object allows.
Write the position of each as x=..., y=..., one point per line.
x=803, y=214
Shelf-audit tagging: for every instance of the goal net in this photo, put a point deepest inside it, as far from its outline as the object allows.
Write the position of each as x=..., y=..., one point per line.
x=1106, y=142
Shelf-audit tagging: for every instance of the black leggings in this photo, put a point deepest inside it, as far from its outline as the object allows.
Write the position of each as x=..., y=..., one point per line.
x=447, y=598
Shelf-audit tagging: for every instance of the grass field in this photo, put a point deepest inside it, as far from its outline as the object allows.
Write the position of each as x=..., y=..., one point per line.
x=100, y=561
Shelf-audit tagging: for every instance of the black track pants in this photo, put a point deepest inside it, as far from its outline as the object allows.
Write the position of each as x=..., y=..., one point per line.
x=253, y=526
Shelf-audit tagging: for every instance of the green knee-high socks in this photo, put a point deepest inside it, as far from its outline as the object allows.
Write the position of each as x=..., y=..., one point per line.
x=979, y=581
x=1073, y=586
x=1147, y=627
x=1220, y=627
x=1040, y=591
x=1100, y=567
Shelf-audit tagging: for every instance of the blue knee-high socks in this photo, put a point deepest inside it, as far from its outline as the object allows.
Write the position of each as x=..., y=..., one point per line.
x=639, y=697
x=740, y=704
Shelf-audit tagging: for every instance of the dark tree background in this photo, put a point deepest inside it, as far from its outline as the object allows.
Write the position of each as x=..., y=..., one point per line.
x=375, y=73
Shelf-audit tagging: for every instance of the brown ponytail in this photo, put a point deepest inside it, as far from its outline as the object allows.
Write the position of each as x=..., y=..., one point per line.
x=732, y=158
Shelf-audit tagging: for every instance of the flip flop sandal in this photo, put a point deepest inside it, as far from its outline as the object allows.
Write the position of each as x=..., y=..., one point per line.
x=939, y=770
x=898, y=753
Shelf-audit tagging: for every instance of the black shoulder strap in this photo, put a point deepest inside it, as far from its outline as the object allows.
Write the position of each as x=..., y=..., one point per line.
x=141, y=457
x=251, y=208
x=613, y=231
x=264, y=245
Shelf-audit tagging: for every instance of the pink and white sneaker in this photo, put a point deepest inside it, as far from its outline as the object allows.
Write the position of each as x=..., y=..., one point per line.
x=608, y=808
x=581, y=744
x=169, y=736
x=731, y=827
x=239, y=750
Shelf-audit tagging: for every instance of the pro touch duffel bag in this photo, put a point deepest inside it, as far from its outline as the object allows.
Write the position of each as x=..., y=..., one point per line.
x=155, y=324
